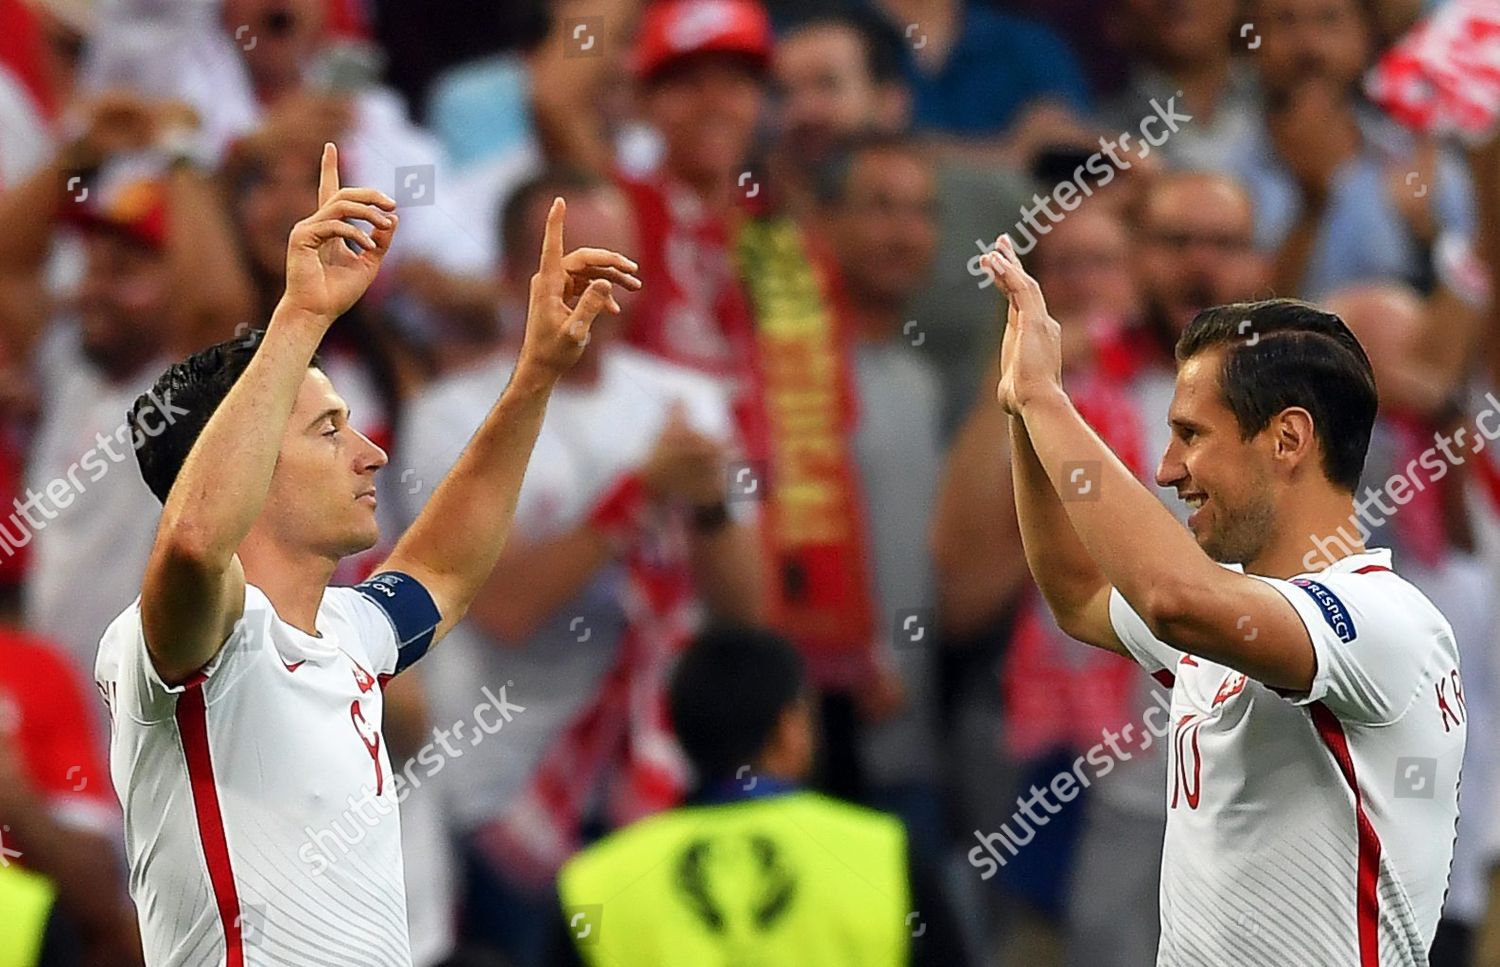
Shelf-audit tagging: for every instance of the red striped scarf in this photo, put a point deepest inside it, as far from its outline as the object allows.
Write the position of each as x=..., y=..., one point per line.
x=620, y=744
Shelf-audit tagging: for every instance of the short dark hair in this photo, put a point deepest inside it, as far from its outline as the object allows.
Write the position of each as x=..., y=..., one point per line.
x=728, y=691
x=881, y=40
x=516, y=210
x=1285, y=353
x=194, y=388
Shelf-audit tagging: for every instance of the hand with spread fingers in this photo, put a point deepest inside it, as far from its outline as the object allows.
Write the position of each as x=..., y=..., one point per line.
x=567, y=293
x=1031, y=350
x=324, y=276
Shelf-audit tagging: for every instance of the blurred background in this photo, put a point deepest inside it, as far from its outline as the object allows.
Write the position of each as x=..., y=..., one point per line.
x=793, y=424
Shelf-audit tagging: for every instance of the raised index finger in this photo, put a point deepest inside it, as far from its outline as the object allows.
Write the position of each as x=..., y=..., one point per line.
x=328, y=177
x=552, y=240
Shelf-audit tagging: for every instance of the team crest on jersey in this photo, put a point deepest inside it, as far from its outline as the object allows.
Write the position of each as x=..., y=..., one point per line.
x=364, y=679
x=1334, y=611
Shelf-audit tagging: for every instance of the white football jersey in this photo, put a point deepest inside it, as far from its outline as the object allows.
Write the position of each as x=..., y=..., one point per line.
x=1313, y=829
x=261, y=825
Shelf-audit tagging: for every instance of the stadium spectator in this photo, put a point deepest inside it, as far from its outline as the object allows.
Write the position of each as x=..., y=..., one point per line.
x=41, y=44
x=753, y=866
x=975, y=70
x=839, y=75
x=307, y=83
x=700, y=72
x=1183, y=50
x=622, y=536
x=58, y=836
x=716, y=259
x=159, y=275
x=427, y=851
x=878, y=206
x=1341, y=194
x=1194, y=248
x=33, y=928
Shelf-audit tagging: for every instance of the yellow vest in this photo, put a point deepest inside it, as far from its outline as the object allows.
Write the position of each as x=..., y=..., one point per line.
x=773, y=882
x=25, y=904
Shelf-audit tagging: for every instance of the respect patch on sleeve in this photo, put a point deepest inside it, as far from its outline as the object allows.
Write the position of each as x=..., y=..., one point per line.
x=409, y=608
x=1334, y=611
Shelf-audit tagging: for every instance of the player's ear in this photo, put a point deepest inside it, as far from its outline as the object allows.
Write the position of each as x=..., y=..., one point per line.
x=1293, y=437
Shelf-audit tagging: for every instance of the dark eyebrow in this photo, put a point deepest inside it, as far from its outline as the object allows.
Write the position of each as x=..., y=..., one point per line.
x=329, y=414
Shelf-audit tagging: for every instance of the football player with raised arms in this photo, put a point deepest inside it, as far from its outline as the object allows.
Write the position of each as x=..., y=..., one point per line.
x=1317, y=711
x=244, y=693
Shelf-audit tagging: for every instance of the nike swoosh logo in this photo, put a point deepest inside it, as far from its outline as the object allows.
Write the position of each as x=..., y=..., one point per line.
x=294, y=665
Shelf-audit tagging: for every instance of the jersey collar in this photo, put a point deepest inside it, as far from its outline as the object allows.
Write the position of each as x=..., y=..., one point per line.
x=1373, y=557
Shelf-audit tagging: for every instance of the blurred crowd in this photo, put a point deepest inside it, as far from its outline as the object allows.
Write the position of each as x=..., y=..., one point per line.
x=792, y=425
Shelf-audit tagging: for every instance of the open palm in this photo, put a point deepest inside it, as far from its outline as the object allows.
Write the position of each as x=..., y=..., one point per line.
x=1031, y=348
x=325, y=276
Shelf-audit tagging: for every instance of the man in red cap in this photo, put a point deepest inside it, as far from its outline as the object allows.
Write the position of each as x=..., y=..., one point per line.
x=733, y=287
x=701, y=67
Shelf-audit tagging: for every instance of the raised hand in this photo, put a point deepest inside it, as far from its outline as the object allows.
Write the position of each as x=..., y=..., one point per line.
x=584, y=265
x=557, y=332
x=684, y=464
x=1031, y=350
x=324, y=276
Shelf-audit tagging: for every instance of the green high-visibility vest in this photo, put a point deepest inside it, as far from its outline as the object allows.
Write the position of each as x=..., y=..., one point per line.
x=25, y=906
x=773, y=882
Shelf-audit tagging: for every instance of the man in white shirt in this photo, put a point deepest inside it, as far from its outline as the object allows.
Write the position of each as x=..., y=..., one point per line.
x=1317, y=720
x=244, y=694
x=627, y=478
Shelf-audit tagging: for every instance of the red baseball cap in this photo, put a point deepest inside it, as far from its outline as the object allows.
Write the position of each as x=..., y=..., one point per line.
x=676, y=29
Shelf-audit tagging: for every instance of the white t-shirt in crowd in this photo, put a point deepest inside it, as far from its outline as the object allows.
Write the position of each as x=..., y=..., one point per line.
x=592, y=435
x=1318, y=828
x=88, y=558
x=260, y=807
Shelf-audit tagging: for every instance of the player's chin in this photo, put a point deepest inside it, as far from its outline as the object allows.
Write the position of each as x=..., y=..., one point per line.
x=362, y=536
x=1206, y=538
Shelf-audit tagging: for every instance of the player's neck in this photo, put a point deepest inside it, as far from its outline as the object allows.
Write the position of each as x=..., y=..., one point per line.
x=294, y=581
x=1316, y=529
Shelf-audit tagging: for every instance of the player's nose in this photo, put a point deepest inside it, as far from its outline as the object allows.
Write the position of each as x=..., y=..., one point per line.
x=1171, y=471
x=372, y=457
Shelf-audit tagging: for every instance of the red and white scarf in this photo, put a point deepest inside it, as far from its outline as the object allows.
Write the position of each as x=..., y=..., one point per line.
x=620, y=744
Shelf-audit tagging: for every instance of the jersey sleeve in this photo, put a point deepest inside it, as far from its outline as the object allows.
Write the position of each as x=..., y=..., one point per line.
x=1377, y=643
x=1151, y=652
x=396, y=620
x=127, y=675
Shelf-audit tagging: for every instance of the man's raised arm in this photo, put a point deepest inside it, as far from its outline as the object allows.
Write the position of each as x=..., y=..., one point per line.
x=1074, y=588
x=1184, y=597
x=194, y=587
x=453, y=545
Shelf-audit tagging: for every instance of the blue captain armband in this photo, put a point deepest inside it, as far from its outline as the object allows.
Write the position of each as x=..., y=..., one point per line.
x=409, y=608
